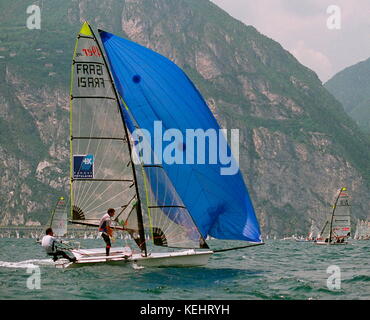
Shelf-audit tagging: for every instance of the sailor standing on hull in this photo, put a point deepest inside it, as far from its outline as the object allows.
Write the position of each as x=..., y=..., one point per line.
x=106, y=230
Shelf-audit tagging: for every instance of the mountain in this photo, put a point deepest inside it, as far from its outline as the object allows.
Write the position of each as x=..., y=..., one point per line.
x=351, y=87
x=297, y=144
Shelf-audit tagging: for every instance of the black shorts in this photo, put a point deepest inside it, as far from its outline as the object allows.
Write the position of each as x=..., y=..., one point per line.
x=106, y=239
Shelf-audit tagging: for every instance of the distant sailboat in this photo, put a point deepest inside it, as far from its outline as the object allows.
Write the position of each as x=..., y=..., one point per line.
x=59, y=218
x=362, y=230
x=312, y=235
x=337, y=228
x=173, y=206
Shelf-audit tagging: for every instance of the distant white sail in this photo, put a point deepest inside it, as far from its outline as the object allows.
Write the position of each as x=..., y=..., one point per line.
x=58, y=221
x=337, y=227
x=362, y=230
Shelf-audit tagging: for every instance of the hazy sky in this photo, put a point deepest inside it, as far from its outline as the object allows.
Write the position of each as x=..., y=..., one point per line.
x=300, y=26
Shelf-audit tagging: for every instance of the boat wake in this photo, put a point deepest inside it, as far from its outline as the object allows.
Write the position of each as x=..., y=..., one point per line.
x=26, y=263
x=137, y=267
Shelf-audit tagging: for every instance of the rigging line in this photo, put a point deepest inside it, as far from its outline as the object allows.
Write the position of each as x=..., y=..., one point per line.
x=99, y=198
x=173, y=228
x=163, y=218
x=167, y=183
x=174, y=200
x=108, y=200
x=147, y=201
x=95, y=109
x=184, y=225
x=86, y=192
x=160, y=219
x=177, y=198
x=237, y=248
x=87, y=148
x=124, y=207
x=181, y=237
x=158, y=200
x=153, y=173
x=166, y=220
x=91, y=194
x=118, y=153
x=106, y=111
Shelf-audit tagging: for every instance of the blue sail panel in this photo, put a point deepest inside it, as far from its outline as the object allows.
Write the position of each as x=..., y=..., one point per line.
x=156, y=89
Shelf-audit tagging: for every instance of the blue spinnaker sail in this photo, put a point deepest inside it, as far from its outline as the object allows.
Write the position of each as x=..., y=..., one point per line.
x=156, y=89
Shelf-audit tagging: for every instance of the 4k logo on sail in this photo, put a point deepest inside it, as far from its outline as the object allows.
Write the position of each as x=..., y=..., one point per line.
x=83, y=166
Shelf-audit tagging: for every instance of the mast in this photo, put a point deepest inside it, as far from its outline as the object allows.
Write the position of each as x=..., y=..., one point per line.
x=332, y=215
x=53, y=214
x=142, y=245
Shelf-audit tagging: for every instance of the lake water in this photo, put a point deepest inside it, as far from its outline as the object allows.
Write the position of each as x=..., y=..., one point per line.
x=277, y=270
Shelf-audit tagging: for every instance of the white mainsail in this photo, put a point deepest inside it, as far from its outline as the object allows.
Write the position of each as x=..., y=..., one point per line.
x=58, y=220
x=337, y=227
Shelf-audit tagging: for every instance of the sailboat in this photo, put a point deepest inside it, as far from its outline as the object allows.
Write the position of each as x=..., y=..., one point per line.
x=312, y=235
x=59, y=219
x=362, y=230
x=174, y=206
x=337, y=228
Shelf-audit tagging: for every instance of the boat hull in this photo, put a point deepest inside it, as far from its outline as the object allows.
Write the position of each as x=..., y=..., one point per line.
x=118, y=256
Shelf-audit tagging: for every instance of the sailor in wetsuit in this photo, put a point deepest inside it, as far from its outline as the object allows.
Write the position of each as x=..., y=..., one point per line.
x=105, y=229
x=49, y=243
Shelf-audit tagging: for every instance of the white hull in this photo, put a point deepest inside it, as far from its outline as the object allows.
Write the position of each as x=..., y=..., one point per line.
x=120, y=256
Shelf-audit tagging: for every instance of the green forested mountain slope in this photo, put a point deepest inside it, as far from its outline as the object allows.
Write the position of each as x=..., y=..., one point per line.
x=351, y=87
